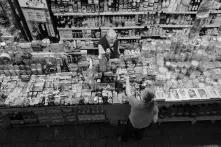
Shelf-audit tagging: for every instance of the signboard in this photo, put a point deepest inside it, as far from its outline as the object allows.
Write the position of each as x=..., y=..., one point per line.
x=33, y=3
x=38, y=18
x=35, y=15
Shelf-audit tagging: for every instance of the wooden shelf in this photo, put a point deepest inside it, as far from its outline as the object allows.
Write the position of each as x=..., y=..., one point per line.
x=155, y=36
x=90, y=48
x=78, y=28
x=215, y=11
x=134, y=27
x=192, y=119
x=212, y=26
x=79, y=38
x=126, y=27
x=175, y=26
x=103, y=28
x=176, y=119
x=183, y=12
x=192, y=12
x=127, y=38
x=128, y=13
x=188, y=26
x=196, y=101
x=217, y=117
x=122, y=13
x=75, y=14
x=97, y=13
x=121, y=38
x=46, y=9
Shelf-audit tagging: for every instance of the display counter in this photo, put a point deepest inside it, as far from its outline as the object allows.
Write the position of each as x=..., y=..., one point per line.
x=114, y=114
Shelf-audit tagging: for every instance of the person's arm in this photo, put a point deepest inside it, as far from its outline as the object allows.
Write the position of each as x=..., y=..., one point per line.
x=118, y=49
x=128, y=90
x=100, y=51
x=155, y=113
x=132, y=100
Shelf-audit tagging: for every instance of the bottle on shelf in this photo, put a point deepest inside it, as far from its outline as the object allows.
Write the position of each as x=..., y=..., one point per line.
x=62, y=22
x=194, y=5
x=69, y=22
x=61, y=6
x=54, y=7
x=66, y=8
x=70, y=6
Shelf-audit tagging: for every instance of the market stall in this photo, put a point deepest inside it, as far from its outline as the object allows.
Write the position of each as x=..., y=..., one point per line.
x=50, y=84
x=171, y=46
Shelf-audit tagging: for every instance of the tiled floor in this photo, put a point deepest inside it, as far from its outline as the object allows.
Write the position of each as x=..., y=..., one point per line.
x=203, y=134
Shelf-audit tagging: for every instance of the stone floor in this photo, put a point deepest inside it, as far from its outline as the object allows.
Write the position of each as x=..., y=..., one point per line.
x=200, y=134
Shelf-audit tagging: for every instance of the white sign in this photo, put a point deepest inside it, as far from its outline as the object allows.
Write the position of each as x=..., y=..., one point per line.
x=35, y=15
x=33, y=3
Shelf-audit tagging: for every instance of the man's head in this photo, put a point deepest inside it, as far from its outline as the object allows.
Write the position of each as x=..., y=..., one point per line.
x=111, y=36
x=147, y=95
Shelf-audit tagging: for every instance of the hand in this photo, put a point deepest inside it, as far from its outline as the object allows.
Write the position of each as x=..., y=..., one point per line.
x=118, y=51
x=155, y=118
x=108, y=50
x=128, y=90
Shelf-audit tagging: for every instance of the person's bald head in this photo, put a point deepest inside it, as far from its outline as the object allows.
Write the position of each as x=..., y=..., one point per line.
x=111, y=34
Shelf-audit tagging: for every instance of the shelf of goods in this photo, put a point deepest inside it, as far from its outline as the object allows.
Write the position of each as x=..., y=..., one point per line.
x=120, y=38
x=131, y=13
x=100, y=14
x=191, y=12
x=134, y=27
x=79, y=28
x=128, y=17
x=79, y=39
x=130, y=29
x=188, y=26
x=103, y=28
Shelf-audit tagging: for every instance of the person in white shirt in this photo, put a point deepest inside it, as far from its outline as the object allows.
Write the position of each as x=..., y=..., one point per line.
x=143, y=112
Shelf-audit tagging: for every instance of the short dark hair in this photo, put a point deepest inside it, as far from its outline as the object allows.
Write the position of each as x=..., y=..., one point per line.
x=148, y=96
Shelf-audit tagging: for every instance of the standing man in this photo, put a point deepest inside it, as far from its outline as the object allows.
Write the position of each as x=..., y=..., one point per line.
x=108, y=45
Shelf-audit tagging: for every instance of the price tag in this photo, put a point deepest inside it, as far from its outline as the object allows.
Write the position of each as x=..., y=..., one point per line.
x=84, y=51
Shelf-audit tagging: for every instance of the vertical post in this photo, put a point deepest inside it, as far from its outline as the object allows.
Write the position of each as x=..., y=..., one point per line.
x=16, y=9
